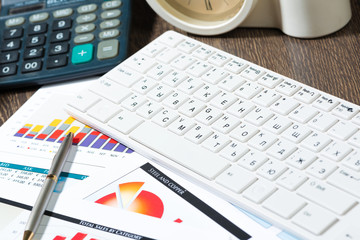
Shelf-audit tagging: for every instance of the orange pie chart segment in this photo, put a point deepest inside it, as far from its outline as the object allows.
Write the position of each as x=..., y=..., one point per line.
x=128, y=191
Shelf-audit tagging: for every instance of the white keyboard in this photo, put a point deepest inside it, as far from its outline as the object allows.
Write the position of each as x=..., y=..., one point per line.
x=280, y=149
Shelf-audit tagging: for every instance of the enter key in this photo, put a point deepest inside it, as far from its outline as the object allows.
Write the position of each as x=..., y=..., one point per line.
x=346, y=179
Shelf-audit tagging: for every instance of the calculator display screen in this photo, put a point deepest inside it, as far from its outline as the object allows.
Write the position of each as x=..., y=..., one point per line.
x=22, y=6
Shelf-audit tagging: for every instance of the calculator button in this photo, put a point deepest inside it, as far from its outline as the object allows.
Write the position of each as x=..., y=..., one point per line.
x=109, y=34
x=61, y=24
x=35, y=52
x=85, y=28
x=87, y=18
x=13, y=33
x=63, y=13
x=39, y=17
x=108, y=49
x=12, y=22
x=56, y=61
x=110, y=24
x=60, y=36
x=82, y=54
x=7, y=70
x=37, y=28
x=58, y=48
x=110, y=14
x=111, y=4
x=34, y=41
x=84, y=38
x=31, y=66
x=9, y=45
x=9, y=57
x=87, y=8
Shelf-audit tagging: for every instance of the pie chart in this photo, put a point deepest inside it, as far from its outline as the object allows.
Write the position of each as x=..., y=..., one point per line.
x=131, y=197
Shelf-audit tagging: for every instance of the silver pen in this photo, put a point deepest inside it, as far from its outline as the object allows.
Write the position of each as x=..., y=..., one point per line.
x=48, y=187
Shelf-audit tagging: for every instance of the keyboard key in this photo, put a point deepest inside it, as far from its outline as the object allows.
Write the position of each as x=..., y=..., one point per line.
x=343, y=130
x=259, y=191
x=345, y=110
x=110, y=90
x=314, y=219
x=327, y=196
x=188, y=155
x=252, y=73
x=347, y=180
x=236, y=179
x=125, y=121
x=84, y=100
x=103, y=111
x=283, y=203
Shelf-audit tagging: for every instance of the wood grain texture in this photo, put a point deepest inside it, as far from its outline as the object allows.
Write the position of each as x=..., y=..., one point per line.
x=330, y=63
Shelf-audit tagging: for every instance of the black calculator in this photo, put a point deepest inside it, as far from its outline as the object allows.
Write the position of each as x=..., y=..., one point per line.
x=46, y=41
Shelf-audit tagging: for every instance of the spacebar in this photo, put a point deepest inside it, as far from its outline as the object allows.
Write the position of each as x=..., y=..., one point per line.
x=179, y=150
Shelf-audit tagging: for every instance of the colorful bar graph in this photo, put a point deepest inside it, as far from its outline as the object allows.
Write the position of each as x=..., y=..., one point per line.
x=93, y=135
x=78, y=137
x=49, y=129
x=86, y=137
x=23, y=130
x=34, y=131
x=110, y=145
x=61, y=129
x=73, y=129
x=102, y=139
x=79, y=236
x=59, y=238
x=120, y=148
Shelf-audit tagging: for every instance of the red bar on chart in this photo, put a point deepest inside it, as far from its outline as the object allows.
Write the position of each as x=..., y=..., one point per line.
x=23, y=130
x=79, y=236
x=34, y=131
x=59, y=238
x=49, y=129
x=78, y=137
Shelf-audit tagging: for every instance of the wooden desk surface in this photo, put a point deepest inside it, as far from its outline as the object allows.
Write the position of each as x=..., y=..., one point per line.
x=331, y=63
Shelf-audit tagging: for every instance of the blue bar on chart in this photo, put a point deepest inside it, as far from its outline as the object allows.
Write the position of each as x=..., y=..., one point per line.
x=91, y=137
x=102, y=139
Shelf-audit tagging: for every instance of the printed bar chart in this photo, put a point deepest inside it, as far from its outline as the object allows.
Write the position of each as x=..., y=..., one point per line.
x=23, y=130
x=84, y=136
x=49, y=129
x=61, y=129
x=78, y=236
x=34, y=131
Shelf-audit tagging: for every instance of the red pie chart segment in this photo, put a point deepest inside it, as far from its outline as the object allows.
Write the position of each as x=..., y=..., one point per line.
x=134, y=199
x=108, y=200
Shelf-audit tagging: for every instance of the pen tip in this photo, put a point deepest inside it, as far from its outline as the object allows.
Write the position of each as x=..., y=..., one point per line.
x=28, y=235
